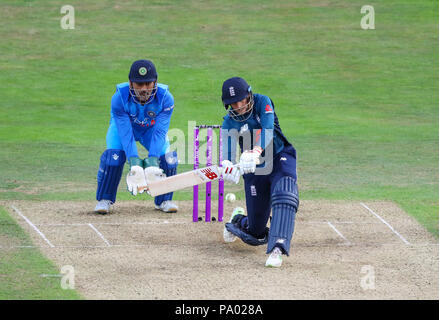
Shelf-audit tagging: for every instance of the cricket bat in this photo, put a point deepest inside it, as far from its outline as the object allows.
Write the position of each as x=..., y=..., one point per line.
x=184, y=180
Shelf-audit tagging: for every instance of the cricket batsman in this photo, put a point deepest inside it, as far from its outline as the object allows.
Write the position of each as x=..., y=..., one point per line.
x=266, y=191
x=141, y=111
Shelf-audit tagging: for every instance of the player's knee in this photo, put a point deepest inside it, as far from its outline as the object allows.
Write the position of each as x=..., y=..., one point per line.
x=113, y=157
x=286, y=193
x=240, y=229
x=109, y=174
x=169, y=161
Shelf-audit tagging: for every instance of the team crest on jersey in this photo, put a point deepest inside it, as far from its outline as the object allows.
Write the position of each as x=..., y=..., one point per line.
x=151, y=114
x=243, y=129
x=143, y=71
x=268, y=109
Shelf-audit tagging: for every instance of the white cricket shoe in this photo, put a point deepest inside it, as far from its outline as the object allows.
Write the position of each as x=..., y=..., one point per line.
x=275, y=258
x=167, y=206
x=103, y=206
x=227, y=235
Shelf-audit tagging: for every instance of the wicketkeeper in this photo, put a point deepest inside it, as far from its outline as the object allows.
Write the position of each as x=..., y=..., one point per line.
x=270, y=187
x=141, y=111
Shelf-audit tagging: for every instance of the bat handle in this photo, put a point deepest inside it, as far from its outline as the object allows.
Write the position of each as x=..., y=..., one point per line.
x=221, y=169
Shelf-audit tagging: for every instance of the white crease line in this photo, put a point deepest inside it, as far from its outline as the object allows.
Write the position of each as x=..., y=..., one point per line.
x=339, y=233
x=172, y=222
x=33, y=226
x=338, y=222
x=62, y=224
x=147, y=222
x=99, y=234
x=384, y=221
x=116, y=246
x=110, y=223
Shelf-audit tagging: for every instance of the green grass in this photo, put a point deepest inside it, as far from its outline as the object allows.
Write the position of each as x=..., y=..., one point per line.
x=361, y=107
x=22, y=267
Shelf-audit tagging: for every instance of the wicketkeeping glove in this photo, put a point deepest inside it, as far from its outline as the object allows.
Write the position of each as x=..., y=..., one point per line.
x=136, y=182
x=230, y=173
x=152, y=170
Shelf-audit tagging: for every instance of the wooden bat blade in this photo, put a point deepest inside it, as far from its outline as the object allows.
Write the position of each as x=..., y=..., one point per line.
x=184, y=180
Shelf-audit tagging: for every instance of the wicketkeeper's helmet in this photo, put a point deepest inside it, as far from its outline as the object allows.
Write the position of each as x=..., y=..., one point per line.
x=143, y=71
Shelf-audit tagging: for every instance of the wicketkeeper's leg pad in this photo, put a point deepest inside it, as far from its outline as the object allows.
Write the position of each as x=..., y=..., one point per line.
x=109, y=174
x=284, y=205
x=168, y=162
x=239, y=227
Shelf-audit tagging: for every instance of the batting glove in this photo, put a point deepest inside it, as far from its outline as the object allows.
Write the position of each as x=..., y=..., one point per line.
x=249, y=159
x=136, y=182
x=230, y=172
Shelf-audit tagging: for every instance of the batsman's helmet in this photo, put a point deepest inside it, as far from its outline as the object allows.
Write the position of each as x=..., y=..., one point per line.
x=236, y=89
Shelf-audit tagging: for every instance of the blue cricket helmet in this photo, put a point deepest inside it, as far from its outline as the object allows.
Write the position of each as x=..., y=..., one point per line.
x=234, y=89
x=237, y=89
x=143, y=71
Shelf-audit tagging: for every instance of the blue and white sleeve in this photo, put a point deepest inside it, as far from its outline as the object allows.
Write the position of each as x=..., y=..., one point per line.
x=161, y=126
x=265, y=135
x=124, y=127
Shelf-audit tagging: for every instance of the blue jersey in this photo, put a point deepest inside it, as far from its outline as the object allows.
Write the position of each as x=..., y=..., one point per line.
x=134, y=120
x=263, y=126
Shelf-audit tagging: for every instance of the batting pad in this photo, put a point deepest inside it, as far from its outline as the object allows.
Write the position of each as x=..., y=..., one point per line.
x=285, y=202
x=109, y=174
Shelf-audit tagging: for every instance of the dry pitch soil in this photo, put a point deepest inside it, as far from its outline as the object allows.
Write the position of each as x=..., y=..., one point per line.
x=340, y=250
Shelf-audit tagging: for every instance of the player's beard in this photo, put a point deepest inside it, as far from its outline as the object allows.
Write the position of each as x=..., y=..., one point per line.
x=143, y=95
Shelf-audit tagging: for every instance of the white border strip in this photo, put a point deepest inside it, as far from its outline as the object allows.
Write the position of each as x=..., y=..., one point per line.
x=118, y=246
x=33, y=226
x=339, y=233
x=99, y=234
x=112, y=223
x=383, y=221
